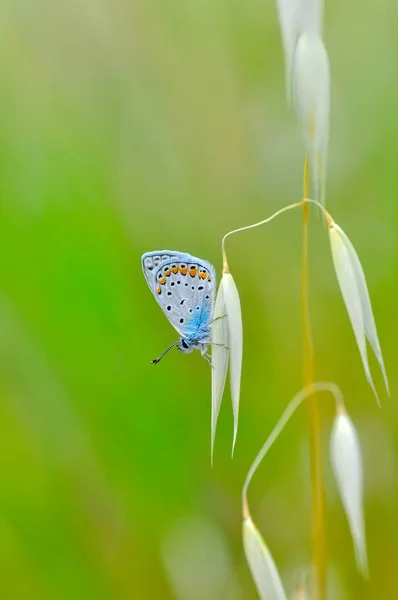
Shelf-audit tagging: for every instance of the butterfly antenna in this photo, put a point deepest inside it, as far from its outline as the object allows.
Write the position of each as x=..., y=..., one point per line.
x=156, y=360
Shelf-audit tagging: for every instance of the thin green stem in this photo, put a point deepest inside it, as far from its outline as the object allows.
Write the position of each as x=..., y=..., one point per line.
x=303, y=203
x=319, y=386
x=319, y=557
x=276, y=214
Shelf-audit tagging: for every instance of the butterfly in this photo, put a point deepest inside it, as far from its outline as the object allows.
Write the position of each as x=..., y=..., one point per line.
x=184, y=287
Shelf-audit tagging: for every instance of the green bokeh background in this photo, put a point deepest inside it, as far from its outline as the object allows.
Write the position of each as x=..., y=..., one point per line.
x=132, y=125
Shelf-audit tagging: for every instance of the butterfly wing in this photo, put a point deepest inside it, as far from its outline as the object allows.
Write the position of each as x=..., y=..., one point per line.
x=184, y=287
x=151, y=260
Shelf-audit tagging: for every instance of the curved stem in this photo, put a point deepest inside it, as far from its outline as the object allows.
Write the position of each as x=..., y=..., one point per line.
x=303, y=203
x=318, y=496
x=276, y=214
x=320, y=386
x=328, y=216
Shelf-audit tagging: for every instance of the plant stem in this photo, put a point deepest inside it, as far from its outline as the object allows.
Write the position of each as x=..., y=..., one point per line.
x=318, y=500
x=320, y=386
x=263, y=222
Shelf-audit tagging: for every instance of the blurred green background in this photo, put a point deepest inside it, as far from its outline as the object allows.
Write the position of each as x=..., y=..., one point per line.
x=133, y=125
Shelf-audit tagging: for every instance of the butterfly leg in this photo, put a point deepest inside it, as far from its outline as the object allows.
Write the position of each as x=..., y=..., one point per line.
x=218, y=318
x=220, y=345
x=206, y=356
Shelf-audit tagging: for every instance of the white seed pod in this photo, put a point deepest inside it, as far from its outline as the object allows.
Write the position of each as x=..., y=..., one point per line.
x=261, y=564
x=311, y=93
x=219, y=359
x=235, y=331
x=354, y=290
x=296, y=16
x=346, y=459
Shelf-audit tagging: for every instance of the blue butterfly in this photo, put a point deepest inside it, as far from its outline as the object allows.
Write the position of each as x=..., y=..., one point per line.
x=184, y=287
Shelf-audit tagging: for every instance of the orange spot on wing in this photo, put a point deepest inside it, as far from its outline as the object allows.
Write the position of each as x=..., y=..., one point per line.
x=203, y=275
x=174, y=270
x=167, y=273
x=193, y=271
x=208, y=278
x=162, y=281
x=159, y=290
x=183, y=270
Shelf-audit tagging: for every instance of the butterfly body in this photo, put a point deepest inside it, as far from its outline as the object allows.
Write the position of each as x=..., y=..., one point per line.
x=184, y=287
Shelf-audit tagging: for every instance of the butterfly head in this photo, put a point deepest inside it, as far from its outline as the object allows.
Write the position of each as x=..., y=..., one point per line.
x=184, y=345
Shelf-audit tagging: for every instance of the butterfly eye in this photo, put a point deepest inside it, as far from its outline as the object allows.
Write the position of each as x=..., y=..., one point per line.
x=184, y=344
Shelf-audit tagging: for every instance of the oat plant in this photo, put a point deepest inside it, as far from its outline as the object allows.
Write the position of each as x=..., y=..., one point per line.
x=308, y=89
